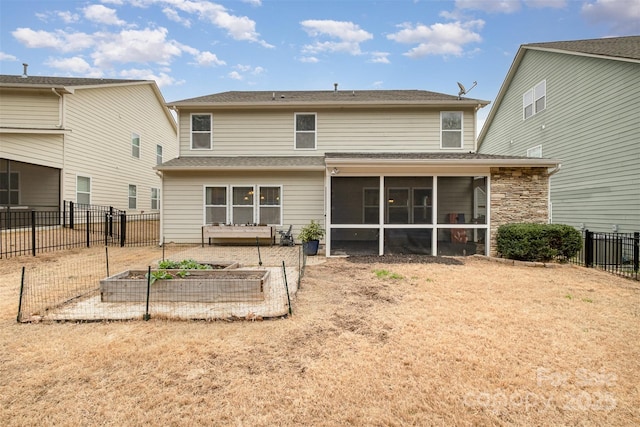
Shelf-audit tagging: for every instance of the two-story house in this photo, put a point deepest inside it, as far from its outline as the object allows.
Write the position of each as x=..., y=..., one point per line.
x=90, y=141
x=576, y=101
x=384, y=171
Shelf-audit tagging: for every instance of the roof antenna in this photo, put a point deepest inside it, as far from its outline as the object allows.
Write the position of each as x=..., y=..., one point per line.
x=24, y=70
x=464, y=91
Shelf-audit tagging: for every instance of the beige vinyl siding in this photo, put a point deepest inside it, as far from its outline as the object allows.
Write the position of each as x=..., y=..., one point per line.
x=272, y=133
x=99, y=144
x=183, y=210
x=590, y=124
x=29, y=109
x=39, y=149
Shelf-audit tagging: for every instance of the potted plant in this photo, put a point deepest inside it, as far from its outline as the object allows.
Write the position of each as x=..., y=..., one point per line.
x=310, y=236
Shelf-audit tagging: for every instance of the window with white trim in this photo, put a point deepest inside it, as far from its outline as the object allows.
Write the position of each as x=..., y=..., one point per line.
x=83, y=190
x=242, y=205
x=534, y=100
x=535, y=151
x=451, y=129
x=135, y=145
x=215, y=205
x=269, y=205
x=201, y=131
x=158, y=154
x=133, y=196
x=9, y=188
x=155, y=199
x=305, y=124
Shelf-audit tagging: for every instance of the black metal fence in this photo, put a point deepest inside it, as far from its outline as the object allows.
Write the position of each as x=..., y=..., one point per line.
x=618, y=253
x=29, y=232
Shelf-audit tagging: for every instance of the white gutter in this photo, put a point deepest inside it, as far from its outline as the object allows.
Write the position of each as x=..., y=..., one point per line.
x=60, y=108
x=444, y=162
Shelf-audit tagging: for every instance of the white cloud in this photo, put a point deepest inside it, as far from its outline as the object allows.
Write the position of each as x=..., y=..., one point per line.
x=349, y=36
x=438, y=39
x=377, y=84
x=235, y=75
x=161, y=79
x=7, y=57
x=309, y=59
x=258, y=70
x=75, y=65
x=59, y=40
x=102, y=15
x=208, y=59
x=551, y=4
x=621, y=15
x=380, y=57
x=253, y=2
x=172, y=15
x=491, y=6
x=68, y=17
x=139, y=46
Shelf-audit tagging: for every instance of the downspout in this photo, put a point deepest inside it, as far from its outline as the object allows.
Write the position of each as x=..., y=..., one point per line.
x=61, y=117
x=550, y=206
x=161, y=237
x=60, y=108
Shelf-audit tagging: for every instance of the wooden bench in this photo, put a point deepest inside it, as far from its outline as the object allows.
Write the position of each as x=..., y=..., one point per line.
x=239, y=232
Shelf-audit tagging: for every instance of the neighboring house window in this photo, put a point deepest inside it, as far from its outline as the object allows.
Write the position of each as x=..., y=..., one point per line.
x=305, y=131
x=534, y=100
x=201, y=126
x=155, y=199
x=133, y=196
x=83, y=190
x=270, y=205
x=451, y=129
x=9, y=188
x=215, y=205
x=158, y=154
x=135, y=145
x=242, y=205
x=535, y=151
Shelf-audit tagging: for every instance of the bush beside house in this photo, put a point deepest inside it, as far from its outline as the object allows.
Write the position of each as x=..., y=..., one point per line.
x=538, y=242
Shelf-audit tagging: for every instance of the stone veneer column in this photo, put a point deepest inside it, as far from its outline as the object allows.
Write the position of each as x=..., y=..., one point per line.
x=518, y=195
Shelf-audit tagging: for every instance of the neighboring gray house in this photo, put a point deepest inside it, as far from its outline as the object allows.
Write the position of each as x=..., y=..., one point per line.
x=577, y=101
x=90, y=141
x=384, y=171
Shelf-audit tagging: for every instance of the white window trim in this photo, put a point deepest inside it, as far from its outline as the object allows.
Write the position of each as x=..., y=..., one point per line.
x=134, y=136
x=533, y=150
x=461, y=131
x=191, y=131
x=232, y=206
x=534, y=99
x=258, y=205
x=159, y=156
x=129, y=196
x=9, y=190
x=79, y=175
x=157, y=208
x=205, y=206
x=295, y=131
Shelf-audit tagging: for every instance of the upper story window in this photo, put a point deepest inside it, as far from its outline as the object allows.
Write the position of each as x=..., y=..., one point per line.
x=83, y=190
x=451, y=129
x=201, y=131
x=534, y=100
x=135, y=145
x=158, y=154
x=133, y=196
x=535, y=151
x=155, y=199
x=305, y=131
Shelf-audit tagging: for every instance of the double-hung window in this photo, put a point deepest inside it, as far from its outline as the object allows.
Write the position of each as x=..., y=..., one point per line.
x=305, y=124
x=451, y=129
x=158, y=154
x=135, y=145
x=155, y=199
x=269, y=205
x=242, y=205
x=133, y=196
x=215, y=205
x=83, y=190
x=9, y=188
x=534, y=100
x=201, y=131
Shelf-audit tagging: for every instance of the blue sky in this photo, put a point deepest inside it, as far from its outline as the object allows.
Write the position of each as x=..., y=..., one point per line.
x=197, y=47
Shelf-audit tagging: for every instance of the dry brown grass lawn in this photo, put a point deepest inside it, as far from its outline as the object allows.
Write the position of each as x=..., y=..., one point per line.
x=368, y=344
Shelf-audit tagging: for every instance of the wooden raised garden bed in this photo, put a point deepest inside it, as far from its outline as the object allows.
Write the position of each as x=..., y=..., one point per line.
x=231, y=285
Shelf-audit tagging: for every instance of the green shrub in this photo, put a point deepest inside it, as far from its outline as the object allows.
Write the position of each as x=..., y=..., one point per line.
x=538, y=242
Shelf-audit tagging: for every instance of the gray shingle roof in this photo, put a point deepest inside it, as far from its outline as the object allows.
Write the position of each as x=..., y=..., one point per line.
x=11, y=80
x=618, y=47
x=345, y=97
x=319, y=162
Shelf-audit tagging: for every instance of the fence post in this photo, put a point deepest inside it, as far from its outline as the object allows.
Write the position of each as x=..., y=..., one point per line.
x=88, y=231
x=636, y=251
x=110, y=221
x=123, y=229
x=64, y=214
x=106, y=225
x=19, y=317
x=33, y=232
x=588, y=248
x=71, y=214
